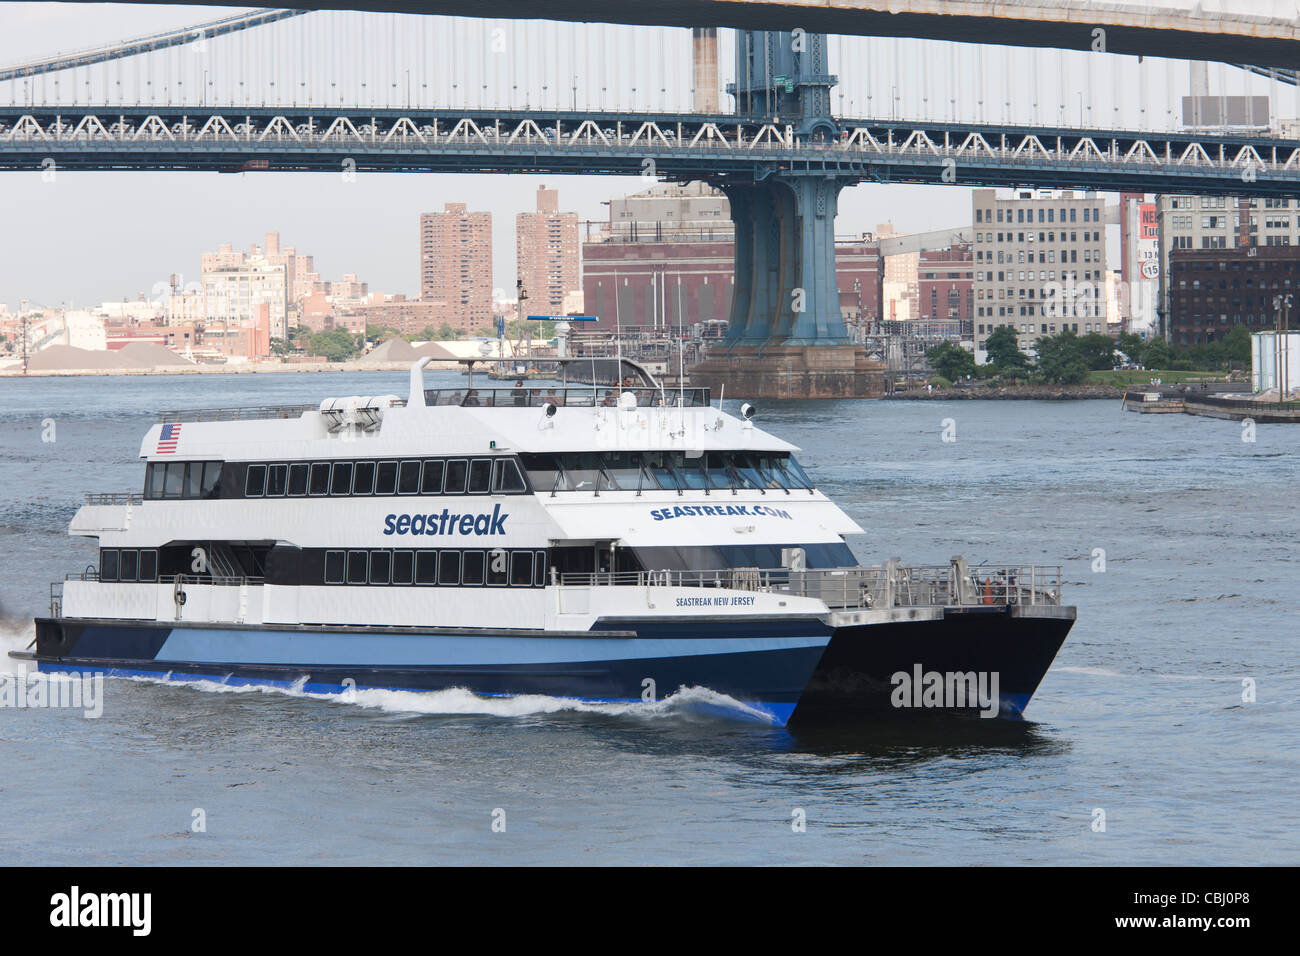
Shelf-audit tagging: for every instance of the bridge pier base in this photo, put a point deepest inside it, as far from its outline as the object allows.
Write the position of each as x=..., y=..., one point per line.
x=792, y=371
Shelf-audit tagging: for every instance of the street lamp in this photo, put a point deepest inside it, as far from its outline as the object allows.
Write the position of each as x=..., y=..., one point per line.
x=1282, y=309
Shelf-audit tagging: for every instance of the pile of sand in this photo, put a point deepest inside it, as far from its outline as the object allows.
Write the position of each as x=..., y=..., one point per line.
x=394, y=350
x=137, y=355
x=150, y=355
x=400, y=350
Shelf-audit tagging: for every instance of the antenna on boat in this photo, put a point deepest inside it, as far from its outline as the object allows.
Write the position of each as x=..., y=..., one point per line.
x=416, y=397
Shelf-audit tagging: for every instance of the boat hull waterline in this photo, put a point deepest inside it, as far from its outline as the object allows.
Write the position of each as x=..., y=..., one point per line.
x=782, y=671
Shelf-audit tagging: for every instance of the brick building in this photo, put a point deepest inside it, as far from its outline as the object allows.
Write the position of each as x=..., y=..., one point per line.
x=1211, y=291
x=546, y=248
x=946, y=284
x=456, y=264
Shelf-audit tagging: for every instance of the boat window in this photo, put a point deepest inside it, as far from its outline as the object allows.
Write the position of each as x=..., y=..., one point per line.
x=357, y=567
x=320, y=478
x=722, y=557
x=539, y=569
x=584, y=471
x=496, y=573
x=506, y=479
x=255, y=483
x=408, y=481
x=449, y=567
x=363, y=478
x=334, y=567
x=431, y=483
x=341, y=478
x=174, y=484
x=297, y=480
x=454, y=482
x=212, y=479
x=386, y=478
x=108, y=564
x=661, y=467
x=628, y=471
x=380, y=566
x=792, y=474
x=471, y=571
x=128, y=565
x=521, y=569
x=693, y=473
x=193, y=479
x=275, y=479
x=543, y=470
x=148, y=564
x=480, y=476
x=426, y=567
x=403, y=567
x=153, y=480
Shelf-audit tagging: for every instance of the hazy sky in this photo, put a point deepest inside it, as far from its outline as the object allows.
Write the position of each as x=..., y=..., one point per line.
x=91, y=237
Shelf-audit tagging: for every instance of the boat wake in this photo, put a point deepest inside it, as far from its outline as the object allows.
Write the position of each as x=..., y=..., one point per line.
x=15, y=635
x=684, y=703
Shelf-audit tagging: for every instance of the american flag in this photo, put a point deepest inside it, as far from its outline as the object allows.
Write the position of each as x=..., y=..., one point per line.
x=167, y=441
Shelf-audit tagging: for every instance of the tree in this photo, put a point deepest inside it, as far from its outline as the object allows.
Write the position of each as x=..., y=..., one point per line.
x=446, y=333
x=1130, y=343
x=1003, y=349
x=1097, y=351
x=1237, y=345
x=1060, y=359
x=951, y=360
x=1156, y=353
x=337, y=345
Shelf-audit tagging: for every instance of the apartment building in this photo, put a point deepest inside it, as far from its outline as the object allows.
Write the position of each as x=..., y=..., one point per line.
x=1040, y=263
x=456, y=264
x=546, y=247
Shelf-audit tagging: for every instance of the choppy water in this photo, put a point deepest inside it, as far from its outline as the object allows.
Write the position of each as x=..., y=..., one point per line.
x=1142, y=715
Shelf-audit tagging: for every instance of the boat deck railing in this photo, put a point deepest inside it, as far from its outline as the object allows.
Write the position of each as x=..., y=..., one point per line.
x=177, y=581
x=890, y=585
x=586, y=396
x=234, y=413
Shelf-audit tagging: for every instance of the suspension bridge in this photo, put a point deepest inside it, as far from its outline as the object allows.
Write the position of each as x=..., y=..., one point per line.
x=349, y=92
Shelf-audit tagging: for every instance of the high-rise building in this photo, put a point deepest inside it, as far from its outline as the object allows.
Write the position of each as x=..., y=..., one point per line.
x=546, y=245
x=1040, y=264
x=456, y=265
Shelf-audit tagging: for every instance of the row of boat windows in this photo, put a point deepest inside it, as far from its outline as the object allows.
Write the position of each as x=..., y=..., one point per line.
x=128, y=564
x=670, y=471
x=429, y=476
x=497, y=568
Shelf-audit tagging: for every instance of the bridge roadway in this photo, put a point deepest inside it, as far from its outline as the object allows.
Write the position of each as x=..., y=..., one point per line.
x=716, y=148
x=1261, y=32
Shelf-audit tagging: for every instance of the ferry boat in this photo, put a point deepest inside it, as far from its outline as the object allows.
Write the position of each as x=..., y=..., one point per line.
x=598, y=543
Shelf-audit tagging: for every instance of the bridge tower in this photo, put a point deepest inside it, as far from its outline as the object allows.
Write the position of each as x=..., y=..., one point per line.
x=787, y=338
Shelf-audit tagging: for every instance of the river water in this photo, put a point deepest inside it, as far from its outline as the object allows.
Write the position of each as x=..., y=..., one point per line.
x=1141, y=747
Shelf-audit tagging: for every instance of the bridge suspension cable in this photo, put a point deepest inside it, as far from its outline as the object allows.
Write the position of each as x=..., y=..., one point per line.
x=197, y=33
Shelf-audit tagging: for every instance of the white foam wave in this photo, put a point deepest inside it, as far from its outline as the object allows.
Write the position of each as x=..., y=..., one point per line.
x=1093, y=671
x=685, y=702
x=15, y=635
